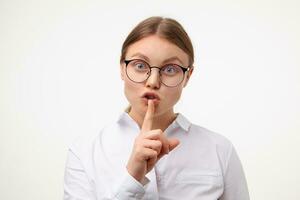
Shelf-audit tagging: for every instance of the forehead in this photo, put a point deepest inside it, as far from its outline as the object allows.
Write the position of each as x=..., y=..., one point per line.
x=157, y=49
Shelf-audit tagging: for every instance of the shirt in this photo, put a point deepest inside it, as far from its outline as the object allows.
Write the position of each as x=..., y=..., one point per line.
x=204, y=165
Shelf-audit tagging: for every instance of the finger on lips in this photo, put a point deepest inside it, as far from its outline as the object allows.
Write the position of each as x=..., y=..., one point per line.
x=148, y=119
x=154, y=134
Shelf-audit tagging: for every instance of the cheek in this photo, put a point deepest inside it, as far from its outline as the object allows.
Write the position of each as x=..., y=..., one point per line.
x=173, y=95
x=131, y=90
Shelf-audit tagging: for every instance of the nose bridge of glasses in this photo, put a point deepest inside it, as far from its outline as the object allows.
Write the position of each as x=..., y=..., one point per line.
x=153, y=75
x=153, y=67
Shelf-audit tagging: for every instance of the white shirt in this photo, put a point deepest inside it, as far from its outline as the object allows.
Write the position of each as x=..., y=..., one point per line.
x=204, y=166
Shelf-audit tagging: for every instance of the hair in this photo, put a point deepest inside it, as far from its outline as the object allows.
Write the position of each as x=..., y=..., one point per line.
x=167, y=28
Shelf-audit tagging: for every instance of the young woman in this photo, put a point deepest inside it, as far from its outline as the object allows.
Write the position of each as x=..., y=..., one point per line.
x=150, y=152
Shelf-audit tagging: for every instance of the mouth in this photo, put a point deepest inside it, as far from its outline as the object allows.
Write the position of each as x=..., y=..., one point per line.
x=151, y=96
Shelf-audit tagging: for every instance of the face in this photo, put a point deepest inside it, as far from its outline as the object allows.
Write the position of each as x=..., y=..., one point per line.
x=157, y=52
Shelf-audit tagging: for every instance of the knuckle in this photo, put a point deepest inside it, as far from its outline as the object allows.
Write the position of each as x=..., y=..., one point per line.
x=138, y=151
x=158, y=131
x=158, y=143
x=154, y=153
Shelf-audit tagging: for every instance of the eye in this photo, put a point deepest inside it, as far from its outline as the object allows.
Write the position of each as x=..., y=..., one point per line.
x=139, y=65
x=170, y=70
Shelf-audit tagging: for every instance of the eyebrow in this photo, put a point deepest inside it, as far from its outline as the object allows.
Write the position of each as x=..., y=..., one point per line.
x=173, y=58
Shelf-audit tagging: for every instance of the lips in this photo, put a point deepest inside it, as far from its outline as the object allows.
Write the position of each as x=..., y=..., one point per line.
x=151, y=96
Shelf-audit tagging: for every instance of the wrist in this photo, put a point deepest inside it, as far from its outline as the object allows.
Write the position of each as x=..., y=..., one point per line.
x=139, y=176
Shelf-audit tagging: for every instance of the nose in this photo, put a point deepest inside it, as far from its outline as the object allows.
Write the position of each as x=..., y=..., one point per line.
x=153, y=80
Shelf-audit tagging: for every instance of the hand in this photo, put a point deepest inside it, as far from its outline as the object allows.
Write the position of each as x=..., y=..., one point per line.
x=149, y=146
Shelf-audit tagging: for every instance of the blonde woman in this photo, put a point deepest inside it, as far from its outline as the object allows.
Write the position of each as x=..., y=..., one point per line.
x=150, y=152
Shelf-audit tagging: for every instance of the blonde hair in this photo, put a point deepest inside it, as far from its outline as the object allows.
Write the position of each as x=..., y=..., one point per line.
x=166, y=28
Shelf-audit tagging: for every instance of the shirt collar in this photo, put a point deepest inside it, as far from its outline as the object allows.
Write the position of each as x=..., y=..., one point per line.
x=183, y=122
x=180, y=121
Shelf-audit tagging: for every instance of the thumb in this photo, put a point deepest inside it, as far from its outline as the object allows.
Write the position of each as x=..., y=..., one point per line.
x=173, y=143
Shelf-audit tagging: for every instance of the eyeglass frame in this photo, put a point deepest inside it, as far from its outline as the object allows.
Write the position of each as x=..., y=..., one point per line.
x=184, y=69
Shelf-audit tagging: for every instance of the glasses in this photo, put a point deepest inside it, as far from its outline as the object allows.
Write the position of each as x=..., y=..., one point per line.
x=171, y=75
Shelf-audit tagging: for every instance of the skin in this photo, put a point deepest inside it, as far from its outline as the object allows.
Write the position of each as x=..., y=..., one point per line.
x=153, y=118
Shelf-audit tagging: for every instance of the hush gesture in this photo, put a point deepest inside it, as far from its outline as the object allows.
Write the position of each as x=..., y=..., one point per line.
x=149, y=146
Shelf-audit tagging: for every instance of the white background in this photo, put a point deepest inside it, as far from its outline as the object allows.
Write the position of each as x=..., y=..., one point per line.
x=59, y=79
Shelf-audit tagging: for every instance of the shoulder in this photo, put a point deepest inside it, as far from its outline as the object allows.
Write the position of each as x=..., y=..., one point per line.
x=86, y=143
x=210, y=136
x=201, y=136
x=83, y=144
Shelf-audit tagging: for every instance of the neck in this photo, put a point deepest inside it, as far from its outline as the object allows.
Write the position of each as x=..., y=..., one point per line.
x=160, y=121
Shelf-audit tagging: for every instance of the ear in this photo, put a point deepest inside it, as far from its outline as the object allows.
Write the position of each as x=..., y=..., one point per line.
x=122, y=71
x=189, y=74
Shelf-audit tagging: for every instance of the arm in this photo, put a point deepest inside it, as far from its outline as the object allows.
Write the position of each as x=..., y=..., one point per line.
x=150, y=146
x=235, y=185
x=77, y=185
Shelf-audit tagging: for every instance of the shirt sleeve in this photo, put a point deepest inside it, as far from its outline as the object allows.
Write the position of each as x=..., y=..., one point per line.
x=77, y=185
x=131, y=189
x=235, y=185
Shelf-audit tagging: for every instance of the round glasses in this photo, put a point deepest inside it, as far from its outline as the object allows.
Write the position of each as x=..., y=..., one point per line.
x=171, y=75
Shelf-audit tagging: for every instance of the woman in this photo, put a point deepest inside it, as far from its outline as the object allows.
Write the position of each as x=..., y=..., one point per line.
x=150, y=152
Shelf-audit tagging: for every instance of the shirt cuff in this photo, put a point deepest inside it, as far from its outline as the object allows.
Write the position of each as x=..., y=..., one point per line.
x=130, y=188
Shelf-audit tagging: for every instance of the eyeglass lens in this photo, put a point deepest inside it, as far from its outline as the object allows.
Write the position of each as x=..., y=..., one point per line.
x=170, y=75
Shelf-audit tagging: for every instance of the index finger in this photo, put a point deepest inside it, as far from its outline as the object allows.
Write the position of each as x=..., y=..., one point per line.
x=148, y=119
